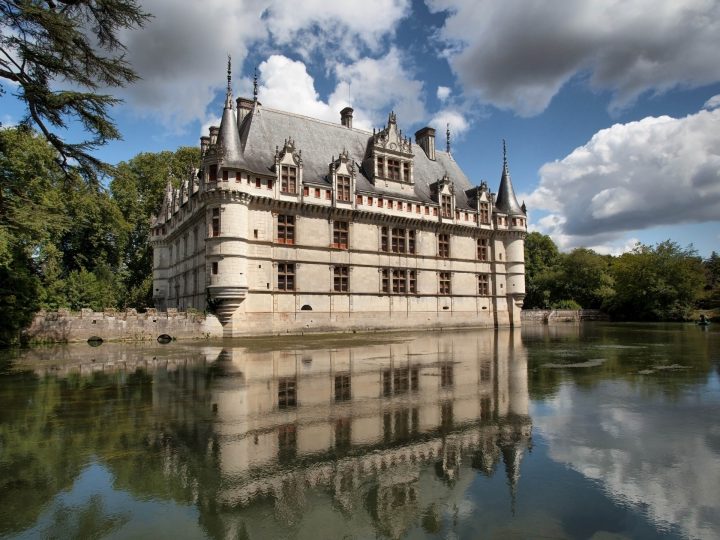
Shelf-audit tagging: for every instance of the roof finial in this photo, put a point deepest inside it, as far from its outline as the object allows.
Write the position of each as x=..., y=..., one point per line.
x=447, y=141
x=255, y=88
x=229, y=74
x=504, y=156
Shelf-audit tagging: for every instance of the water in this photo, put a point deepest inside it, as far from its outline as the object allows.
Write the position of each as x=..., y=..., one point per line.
x=593, y=431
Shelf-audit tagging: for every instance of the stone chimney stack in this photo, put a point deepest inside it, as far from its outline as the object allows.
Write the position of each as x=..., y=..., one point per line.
x=425, y=137
x=204, y=144
x=244, y=106
x=214, y=130
x=346, y=116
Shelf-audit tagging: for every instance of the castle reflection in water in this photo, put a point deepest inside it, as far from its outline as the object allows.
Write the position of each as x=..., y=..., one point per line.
x=375, y=426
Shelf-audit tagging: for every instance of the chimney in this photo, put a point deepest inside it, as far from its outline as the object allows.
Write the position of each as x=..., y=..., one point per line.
x=204, y=143
x=425, y=137
x=214, y=130
x=244, y=106
x=346, y=116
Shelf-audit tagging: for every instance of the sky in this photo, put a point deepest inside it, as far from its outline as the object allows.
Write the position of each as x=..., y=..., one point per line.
x=610, y=108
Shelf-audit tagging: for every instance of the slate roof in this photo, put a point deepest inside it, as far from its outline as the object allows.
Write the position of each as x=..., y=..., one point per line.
x=264, y=129
x=506, y=201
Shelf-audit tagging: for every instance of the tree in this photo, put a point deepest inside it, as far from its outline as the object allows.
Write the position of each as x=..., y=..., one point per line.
x=541, y=266
x=45, y=44
x=138, y=188
x=585, y=279
x=657, y=283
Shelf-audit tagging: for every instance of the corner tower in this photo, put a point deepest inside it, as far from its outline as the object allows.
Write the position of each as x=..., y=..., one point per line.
x=510, y=215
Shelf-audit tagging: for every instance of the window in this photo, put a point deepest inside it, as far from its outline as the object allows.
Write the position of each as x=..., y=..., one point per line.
x=328, y=196
x=287, y=443
x=340, y=234
x=341, y=275
x=446, y=204
x=343, y=435
x=216, y=222
x=343, y=188
x=484, y=213
x=482, y=249
x=212, y=173
x=214, y=268
x=398, y=241
x=287, y=392
x=483, y=285
x=406, y=171
x=225, y=175
x=412, y=282
x=393, y=169
x=446, y=375
x=258, y=183
x=306, y=191
x=443, y=246
x=286, y=229
x=269, y=183
x=358, y=199
x=317, y=193
x=342, y=387
x=380, y=167
x=398, y=281
x=288, y=179
x=286, y=276
x=444, y=282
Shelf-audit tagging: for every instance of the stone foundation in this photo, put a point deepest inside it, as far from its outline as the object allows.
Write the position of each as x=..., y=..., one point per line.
x=111, y=325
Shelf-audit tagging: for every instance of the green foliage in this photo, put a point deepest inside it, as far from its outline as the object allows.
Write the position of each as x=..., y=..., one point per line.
x=541, y=261
x=137, y=189
x=657, y=283
x=585, y=279
x=47, y=44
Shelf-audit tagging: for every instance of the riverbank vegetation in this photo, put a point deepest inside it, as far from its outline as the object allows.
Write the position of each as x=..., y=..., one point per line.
x=665, y=282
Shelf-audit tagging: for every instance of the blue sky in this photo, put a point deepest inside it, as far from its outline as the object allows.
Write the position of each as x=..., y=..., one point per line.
x=609, y=107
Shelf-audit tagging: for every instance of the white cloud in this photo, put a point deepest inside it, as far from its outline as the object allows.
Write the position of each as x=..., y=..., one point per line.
x=181, y=52
x=443, y=92
x=458, y=123
x=517, y=54
x=712, y=103
x=378, y=85
x=629, y=177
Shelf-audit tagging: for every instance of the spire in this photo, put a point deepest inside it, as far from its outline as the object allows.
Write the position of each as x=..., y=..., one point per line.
x=255, y=88
x=228, y=140
x=447, y=139
x=228, y=95
x=506, y=201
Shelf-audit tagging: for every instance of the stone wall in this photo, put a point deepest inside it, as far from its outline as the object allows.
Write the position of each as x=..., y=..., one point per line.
x=545, y=316
x=111, y=325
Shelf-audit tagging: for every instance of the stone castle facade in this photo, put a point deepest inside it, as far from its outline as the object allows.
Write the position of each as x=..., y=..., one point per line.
x=294, y=224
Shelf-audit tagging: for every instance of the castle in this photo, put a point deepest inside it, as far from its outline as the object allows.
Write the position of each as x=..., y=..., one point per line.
x=293, y=224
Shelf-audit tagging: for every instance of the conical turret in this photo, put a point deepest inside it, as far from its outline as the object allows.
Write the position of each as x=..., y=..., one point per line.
x=229, y=137
x=506, y=200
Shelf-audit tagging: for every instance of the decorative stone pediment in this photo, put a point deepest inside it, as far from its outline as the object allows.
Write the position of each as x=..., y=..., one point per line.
x=289, y=154
x=343, y=165
x=392, y=139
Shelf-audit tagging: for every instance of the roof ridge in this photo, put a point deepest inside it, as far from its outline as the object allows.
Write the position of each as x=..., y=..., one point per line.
x=318, y=120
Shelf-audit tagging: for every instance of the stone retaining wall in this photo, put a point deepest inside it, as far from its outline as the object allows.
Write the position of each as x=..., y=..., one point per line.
x=128, y=325
x=546, y=316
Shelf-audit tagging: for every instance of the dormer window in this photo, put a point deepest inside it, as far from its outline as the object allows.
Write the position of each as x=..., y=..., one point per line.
x=381, y=167
x=288, y=179
x=446, y=205
x=343, y=188
x=393, y=172
x=212, y=173
x=485, y=213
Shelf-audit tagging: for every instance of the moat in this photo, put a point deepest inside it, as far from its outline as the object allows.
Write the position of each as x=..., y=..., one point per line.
x=562, y=431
